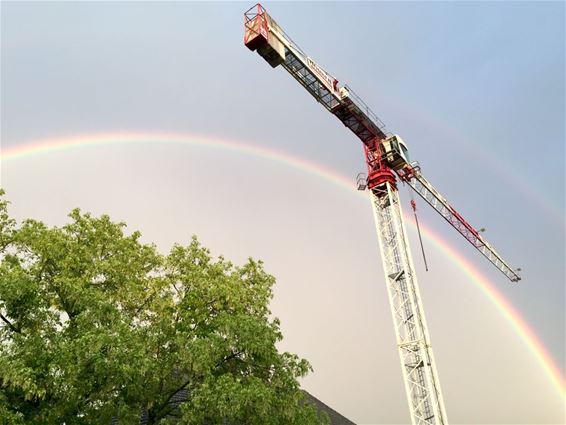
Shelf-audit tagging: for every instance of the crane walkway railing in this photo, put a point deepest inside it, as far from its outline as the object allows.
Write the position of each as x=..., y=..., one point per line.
x=343, y=102
x=366, y=111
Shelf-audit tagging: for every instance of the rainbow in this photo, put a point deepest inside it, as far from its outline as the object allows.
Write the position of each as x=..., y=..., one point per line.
x=512, y=316
x=509, y=312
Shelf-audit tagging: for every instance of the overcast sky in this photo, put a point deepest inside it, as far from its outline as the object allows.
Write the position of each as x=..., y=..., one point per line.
x=476, y=89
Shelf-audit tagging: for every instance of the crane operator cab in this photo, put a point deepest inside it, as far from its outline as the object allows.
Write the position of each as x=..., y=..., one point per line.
x=395, y=152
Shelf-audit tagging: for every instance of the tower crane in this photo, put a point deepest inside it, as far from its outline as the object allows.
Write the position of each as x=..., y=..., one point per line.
x=387, y=163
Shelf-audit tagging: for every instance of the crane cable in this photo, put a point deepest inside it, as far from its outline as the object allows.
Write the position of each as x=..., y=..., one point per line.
x=414, y=206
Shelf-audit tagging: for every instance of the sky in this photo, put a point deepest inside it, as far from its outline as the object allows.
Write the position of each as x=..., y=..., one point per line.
x=476, y=90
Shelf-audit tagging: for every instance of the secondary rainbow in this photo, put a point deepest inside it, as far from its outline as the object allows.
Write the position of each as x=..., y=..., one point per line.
x=512, y=316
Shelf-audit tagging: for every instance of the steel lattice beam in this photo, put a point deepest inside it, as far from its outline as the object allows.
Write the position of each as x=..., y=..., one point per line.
x=419, y=369
x=427, y=191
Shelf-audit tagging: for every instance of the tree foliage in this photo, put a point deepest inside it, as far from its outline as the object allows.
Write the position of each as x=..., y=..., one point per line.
x=96, y=325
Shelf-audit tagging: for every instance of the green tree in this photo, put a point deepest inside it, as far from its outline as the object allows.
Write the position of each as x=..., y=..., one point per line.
x=96, y=325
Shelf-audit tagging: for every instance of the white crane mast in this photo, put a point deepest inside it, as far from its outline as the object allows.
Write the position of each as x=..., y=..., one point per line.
x=413, y=341
x=386, y=161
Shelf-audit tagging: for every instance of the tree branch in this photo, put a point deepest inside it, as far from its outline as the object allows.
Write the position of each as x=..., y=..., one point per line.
x=161, y=411
x=144, y=303
x=10, y=325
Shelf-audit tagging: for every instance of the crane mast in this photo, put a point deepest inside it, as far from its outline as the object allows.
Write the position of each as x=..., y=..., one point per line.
x=387, y=164
x=422, y=385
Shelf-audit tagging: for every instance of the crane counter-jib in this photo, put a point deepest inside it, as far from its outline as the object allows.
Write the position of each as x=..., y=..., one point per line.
x=264, y=35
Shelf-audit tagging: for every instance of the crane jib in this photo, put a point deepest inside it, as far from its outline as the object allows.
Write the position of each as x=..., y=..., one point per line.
x=426, y=191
